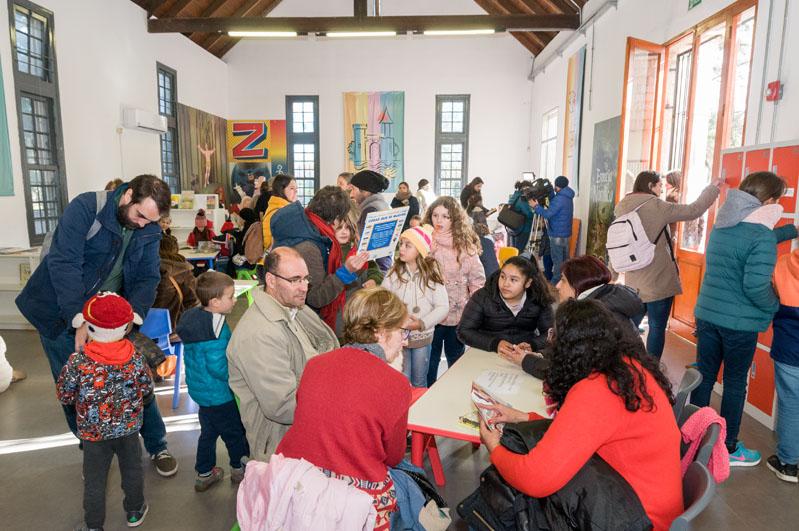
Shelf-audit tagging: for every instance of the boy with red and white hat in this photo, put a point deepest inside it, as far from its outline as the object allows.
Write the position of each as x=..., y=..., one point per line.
x=107, y=382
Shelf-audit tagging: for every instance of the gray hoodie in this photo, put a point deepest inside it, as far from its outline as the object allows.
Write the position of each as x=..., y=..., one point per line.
x=736, y=208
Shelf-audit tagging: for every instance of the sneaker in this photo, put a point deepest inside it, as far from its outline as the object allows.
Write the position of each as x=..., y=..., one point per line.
x=135, y=518
x=203, y=483
x=743, y=456
x=784, y=472
x=236, y=475
x=165, y=464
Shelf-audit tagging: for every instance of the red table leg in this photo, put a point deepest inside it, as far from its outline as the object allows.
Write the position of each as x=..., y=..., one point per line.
x=417, y=448
x=435, y=461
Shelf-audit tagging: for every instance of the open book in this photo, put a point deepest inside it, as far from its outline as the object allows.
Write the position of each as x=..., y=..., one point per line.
x=481, y=397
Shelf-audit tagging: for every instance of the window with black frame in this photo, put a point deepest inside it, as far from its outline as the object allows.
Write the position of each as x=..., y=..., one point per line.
x=39, y=117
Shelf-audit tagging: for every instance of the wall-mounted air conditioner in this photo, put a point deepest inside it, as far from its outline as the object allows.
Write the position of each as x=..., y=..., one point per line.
x=142, y=120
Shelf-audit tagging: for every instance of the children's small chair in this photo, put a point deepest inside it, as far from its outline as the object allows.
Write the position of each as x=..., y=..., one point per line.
x=247, y=274
x=505, y=253
x=157, y=326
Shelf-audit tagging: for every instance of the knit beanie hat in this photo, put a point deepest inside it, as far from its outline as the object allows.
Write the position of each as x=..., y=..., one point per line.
x=370, y=181
x=561, y=182
x=421, y=237
x=108, y=316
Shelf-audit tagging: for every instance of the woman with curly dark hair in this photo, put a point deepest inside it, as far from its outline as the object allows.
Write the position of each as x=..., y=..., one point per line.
x=612, y=400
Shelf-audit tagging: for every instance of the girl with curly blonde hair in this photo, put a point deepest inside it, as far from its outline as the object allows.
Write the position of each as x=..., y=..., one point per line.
x=456, y=248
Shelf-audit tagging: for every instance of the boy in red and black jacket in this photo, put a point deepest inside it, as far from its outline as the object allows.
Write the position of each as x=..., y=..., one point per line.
x=108, y=382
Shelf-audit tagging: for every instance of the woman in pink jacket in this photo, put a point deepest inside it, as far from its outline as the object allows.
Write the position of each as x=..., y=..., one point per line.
x=457, y=249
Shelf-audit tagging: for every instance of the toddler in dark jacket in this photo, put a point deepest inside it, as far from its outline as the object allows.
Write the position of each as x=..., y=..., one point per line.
x=108, y=382
x=205, y=336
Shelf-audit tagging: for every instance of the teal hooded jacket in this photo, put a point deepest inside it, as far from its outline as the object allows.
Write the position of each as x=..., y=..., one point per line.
x=736, y=292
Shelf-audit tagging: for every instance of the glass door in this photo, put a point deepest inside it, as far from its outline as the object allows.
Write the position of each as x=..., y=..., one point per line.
x=643, y=76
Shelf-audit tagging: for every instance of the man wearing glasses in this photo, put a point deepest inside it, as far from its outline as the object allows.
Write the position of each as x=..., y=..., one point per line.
x=105, y=241
x=270, y=347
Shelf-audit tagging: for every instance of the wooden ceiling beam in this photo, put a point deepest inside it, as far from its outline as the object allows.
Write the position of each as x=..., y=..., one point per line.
x=177, y=9
x=245, y=12
x=394, y=23
x=506, y=6
x=527, y=40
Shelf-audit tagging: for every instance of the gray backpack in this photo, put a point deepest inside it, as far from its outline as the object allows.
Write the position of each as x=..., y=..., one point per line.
x=100, y=197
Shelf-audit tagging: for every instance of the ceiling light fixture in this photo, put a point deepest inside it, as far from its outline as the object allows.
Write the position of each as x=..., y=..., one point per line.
x=262, y=33
x=460, y=32
x=344, y=34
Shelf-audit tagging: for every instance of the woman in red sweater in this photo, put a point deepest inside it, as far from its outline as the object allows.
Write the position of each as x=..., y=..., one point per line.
x=352, y=407
x=612, y=400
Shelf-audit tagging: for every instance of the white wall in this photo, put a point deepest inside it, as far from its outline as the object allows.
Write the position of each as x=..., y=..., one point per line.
x=658, y=21
x=493, y=70
x=107, y=60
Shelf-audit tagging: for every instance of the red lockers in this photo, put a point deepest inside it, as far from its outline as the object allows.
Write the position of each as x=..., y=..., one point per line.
x=785, y=163
x=731, y=171
x=757, y=160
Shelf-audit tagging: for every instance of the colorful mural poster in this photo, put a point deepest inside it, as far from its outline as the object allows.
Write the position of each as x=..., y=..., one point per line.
x=603, y=185
x=374, y=130
x=575, y=77
x=255, y=148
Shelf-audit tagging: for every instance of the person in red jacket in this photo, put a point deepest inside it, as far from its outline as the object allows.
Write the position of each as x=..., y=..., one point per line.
x=202, y=231
x=352, y=407
x=612, y=400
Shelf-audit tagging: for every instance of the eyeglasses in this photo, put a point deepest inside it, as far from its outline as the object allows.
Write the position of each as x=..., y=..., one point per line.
x=294, y=281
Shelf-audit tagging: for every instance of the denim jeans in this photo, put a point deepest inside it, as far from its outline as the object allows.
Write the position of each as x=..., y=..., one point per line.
x=220, y=421
x=152, y=430
x=787, y=379
x=559, y=250
x=453, y=349
x=415, y=364
x=97, y=457
x=658, y=314
x=716, y=345
x=547, y=259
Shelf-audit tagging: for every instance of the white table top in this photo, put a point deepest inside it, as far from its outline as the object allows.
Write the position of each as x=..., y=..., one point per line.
x=243, y=286
x=193, y=254
x=439, y=409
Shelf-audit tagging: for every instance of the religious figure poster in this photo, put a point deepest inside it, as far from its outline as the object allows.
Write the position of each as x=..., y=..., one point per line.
x=374, y=130
x=572, y=123
x=255, y=149
x=202, y=154
x=602, y=198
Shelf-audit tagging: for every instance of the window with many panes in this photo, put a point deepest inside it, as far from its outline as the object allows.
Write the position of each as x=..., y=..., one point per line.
x=452, y=143
x=36, y=91
x=302, y=137
x=168, y=107
x=549, y=144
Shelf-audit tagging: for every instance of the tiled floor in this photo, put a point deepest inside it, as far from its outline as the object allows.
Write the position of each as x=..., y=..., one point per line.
x=42, y=488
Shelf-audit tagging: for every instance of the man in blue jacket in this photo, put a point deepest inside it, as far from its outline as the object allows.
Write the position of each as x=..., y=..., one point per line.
x=559, y=221
x=102, y=243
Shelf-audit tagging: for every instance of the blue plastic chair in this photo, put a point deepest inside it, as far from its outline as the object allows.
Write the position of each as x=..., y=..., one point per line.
x=158, y=326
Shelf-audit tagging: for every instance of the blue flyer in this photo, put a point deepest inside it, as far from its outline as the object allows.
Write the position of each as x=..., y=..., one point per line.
x=381, y=232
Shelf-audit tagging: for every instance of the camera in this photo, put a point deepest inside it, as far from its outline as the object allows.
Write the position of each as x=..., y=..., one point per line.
x=540, y=190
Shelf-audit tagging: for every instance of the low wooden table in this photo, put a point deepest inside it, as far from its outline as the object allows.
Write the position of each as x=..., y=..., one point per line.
x=437, y=411
x=193, y=255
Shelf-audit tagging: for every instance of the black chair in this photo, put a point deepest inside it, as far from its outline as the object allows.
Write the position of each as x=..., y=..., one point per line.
x=708, y=439
x=690, y=381
x=698, y=488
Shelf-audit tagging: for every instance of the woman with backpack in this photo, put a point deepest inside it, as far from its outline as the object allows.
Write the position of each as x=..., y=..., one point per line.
x=658, y=281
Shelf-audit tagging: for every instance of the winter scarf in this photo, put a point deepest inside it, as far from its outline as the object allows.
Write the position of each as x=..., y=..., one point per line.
x=335, y=259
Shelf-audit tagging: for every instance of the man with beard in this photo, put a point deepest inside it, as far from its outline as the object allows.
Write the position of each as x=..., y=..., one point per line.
x=105, y=241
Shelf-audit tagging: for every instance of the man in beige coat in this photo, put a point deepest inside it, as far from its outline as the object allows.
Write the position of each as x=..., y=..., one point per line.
x=269, y=349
